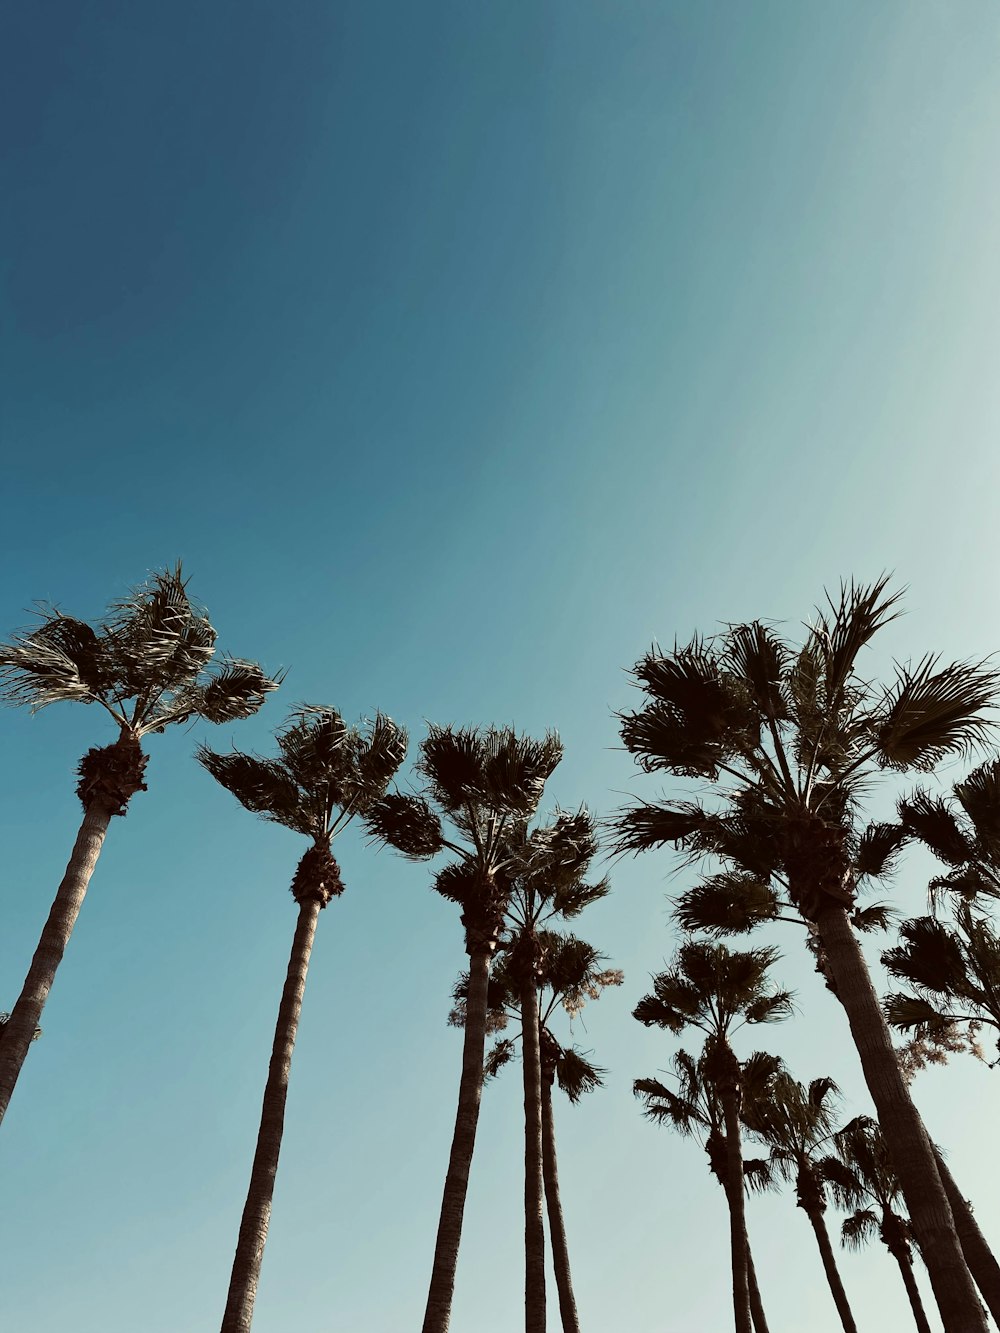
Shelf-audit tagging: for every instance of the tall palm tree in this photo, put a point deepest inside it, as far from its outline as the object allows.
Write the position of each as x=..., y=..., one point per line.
x=568, y=972
x=326, y=773
x=797, y=1124
x=793, y=736
x=867, y=1184
x=717, y=991
x=146, y=665
x=546, y=876
x=693, y=1107
x=484, y=785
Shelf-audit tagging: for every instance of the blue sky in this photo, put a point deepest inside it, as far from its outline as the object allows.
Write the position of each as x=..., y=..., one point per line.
x=460, y=351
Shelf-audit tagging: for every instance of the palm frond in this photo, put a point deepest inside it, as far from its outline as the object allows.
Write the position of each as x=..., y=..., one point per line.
x=236, y=690
x=979, y=797
x=646, y=825
x=877, y=916
x=61, y=660
x=406, y=823
x=732, y=903
x=930, y=713
x=930, y=819
x=262, y=786
x=850, y=623
x=858, y=1229
x=576, y=1075
x=879, y=848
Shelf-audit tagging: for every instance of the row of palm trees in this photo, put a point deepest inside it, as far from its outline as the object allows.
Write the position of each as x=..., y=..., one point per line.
x=785, y=742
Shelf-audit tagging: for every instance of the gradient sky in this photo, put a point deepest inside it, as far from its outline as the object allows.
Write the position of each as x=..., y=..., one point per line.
x=460, y=350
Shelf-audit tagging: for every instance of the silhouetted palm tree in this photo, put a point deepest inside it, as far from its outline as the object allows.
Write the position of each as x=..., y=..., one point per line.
x=326, y=773
x=797, y=1124
x=693, y=1107
x=568, y=973
x=717, y=991
x=793, y=737
x=868, y=1185
x=485, y=783
x=146, y=665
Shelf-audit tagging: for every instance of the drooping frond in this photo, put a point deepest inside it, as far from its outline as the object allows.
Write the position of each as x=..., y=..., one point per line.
x=858, y=1229
x=576, y=1075
x=406, y=823
x=262, y=786
x=930, y=819
x=879, y=849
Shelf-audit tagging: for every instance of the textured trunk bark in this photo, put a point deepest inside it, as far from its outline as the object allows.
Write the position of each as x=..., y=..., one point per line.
x=756, y=1306
x=437, y=1315
x=534, y=1227
x=925, y=1198
x=818, y=1222
x=24, y=1017
x=978, y=1255
x=739, y=1243
x=257, y=1209
x=913, y=1293
x=557, y=1226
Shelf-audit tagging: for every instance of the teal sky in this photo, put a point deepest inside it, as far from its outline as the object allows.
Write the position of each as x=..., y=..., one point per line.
x=460, y=350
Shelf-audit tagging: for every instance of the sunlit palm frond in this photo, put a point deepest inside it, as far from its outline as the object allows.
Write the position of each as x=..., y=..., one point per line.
x=236, y=690
x=61, y=660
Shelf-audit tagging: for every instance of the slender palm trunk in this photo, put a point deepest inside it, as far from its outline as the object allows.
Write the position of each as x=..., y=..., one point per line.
x=557, y=1226
x=739, y=1243
x=913, y=1292
x=24, y=1017
x=756, y=1306
x=257, y=1209
x=925, y=1198
x=818, y=1222
x=978, y=1255
x=534, y=1228
x=437, y=1315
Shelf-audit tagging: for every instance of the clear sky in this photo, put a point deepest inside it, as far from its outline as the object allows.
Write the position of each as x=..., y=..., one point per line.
x=460, y=350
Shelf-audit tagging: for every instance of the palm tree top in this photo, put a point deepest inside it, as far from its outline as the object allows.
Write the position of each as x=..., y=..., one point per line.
x=795, y=723
x=147, y=662
x=326, y=772
x=715, y=989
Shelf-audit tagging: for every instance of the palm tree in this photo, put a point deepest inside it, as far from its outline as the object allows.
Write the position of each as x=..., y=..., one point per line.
x=326, y=773
x=717, y=991
x=5, y=1019
x=546, y=877
x=793, y=737
x=485, y=783
x=568, y=972
x=796, y=1123
x=146, y=665
x=693, y=1107
x=866, y=1182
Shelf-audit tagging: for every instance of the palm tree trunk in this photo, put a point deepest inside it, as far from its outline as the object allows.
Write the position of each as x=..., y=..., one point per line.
x=756, y=1305
x=912, y=1291
x=818, y=1222
x=557, y=1226
x=534, y=1229
x=257, y=1209
x=437, y=1315
x=738, y=1240
x=925, y=1198
x=978, y=1255
x=24, y=1017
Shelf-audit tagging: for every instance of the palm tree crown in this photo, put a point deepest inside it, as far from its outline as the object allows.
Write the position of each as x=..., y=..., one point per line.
x=326, y=773
x=146, y=663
